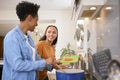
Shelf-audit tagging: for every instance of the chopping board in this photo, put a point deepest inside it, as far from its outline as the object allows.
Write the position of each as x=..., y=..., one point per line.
x=69, y=59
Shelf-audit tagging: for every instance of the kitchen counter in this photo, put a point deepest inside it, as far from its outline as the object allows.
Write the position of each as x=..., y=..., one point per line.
x=1, y=62
x=52, y=74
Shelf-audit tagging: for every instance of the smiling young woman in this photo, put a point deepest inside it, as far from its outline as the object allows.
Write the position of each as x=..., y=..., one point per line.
x=46, y=48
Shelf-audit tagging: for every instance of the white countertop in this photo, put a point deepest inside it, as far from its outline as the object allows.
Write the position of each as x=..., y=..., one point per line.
x=52, y=72
x=1, y=62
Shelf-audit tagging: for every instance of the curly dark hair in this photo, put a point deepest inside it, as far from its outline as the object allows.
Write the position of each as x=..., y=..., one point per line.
x=24, y=8
x=44, y=36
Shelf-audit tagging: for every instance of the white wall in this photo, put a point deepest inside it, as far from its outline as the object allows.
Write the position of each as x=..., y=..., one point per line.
x=66, y=26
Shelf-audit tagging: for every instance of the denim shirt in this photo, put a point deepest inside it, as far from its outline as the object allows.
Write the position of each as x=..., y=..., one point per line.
x=18, y=61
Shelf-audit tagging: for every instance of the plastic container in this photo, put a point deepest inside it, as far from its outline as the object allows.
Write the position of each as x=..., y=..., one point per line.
x=70, y=74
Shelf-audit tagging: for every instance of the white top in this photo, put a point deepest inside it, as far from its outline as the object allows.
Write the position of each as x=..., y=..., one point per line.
x=33, y=49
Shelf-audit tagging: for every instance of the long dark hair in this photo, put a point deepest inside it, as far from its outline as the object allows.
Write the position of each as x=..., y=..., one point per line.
x=44, y=36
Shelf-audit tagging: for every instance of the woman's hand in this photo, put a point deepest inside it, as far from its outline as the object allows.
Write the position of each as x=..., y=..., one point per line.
x=49, y=60
x=58, y=65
